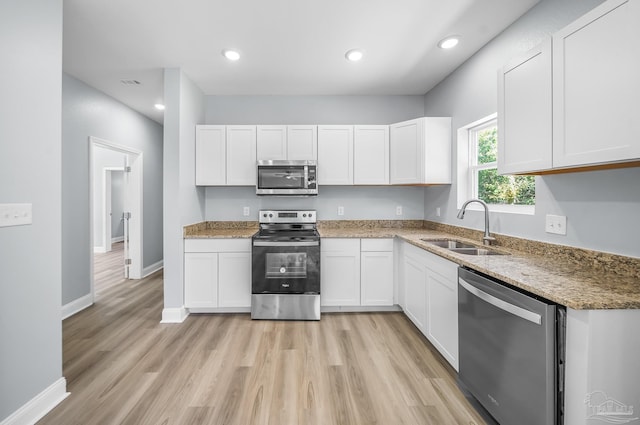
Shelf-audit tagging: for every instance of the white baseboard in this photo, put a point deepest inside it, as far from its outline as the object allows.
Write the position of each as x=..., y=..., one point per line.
x=117, y=239
x=152, y=268
x=76, y=306
x=99, y=250
x=359, y=309
x=39, y=406
x=174, y=315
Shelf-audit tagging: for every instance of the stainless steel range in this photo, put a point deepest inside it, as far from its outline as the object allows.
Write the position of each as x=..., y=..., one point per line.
x=286, y=267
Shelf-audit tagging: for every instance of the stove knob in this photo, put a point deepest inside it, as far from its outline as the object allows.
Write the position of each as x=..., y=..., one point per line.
x=304, y=215
x=310, y=214
x=270, y=215
x=264, y=215
x=283, y=270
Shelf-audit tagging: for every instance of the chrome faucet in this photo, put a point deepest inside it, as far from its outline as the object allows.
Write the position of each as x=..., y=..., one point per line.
x=487, y=239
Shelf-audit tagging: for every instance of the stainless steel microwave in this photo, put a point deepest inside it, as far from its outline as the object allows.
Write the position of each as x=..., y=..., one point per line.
x=281, y=177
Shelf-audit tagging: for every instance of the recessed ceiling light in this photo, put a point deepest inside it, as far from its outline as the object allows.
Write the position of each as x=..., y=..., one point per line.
x=232, y=55
x=159, y=106
x=354, y=55
x=449, y=42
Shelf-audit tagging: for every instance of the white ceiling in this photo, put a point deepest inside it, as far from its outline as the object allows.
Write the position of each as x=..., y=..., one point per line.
x=288, y=47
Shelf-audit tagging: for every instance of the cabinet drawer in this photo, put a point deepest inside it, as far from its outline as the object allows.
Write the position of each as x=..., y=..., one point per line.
x=340, y=244
x=217, y=245
x=377, y=245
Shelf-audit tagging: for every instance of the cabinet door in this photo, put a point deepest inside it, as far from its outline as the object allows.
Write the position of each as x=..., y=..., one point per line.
x=271, y=142
x=340, y=272
x=415, y=295
x=211, y=158
x=595, y=87
x=200, y=279
x=407, y=152
x=371, y=154
x=234, y=279
x=442, y=315
x=302, y=142
x=376, y=278
x=241, y=155
x=524, y=112
x=335, y=155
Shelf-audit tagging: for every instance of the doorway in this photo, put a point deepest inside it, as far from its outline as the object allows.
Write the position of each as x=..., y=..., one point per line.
x=107, y=157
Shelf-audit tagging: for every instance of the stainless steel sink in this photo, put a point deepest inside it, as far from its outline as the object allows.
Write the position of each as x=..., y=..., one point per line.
x=476, y=251
x=449, y=243
x=462, y=247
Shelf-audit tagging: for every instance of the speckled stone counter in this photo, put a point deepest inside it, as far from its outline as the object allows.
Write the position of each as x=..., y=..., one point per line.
x=577, y=278
x=221, y=229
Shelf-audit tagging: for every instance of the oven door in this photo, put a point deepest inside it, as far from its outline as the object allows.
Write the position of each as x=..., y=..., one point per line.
x=286, y=267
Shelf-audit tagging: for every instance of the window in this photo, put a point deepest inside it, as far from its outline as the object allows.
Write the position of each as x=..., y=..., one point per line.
x=478, y=173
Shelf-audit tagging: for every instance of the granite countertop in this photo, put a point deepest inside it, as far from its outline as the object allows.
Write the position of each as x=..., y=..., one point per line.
x=573, y=277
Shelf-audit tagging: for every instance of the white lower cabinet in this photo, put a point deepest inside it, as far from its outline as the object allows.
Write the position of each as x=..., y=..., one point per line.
x=200, y=279
x=217, y=273
x=376, y=272
x=356, y=273
x=431, y=299
x=442, y=306
x=234, y=279
x=340, y=272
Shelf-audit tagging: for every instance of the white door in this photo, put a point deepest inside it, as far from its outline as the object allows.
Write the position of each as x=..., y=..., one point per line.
x=302, y=142
x=371, y=154
x=271, y=142
x=126, y=215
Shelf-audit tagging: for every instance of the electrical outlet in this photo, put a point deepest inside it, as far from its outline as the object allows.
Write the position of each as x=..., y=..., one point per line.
x=399, y=210
x=246, y=211
x=340, y=210
x=438, y=212
x=15, y=214
x=556, y=224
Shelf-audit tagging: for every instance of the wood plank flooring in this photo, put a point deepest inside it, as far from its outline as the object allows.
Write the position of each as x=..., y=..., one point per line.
x=123, y=367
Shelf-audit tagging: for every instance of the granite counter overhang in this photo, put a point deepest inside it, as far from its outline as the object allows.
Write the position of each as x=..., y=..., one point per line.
x=574, y=285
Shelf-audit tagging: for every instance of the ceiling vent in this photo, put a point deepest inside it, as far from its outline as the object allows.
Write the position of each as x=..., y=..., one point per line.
x=131, y=82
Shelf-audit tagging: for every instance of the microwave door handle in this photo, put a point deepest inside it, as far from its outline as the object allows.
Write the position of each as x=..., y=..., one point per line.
x=501, y=304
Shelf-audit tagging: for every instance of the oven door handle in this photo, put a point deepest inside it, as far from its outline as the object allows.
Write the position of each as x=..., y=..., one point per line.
x=268, y=243
x=501, y=304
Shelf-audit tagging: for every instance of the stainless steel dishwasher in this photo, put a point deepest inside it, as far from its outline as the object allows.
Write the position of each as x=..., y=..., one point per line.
x=511, y=351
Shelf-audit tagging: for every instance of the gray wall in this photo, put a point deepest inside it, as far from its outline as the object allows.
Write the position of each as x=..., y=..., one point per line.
x=30, y=282
x=89, y=112
x=602, y=207
x=280, y=110
x=360, y=202
x=184, y=202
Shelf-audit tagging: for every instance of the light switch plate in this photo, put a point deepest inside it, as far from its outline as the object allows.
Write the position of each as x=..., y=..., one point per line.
x=246, y=211
x=340, y=210
x=15, y=214
x=399, y=210
x=556, y=224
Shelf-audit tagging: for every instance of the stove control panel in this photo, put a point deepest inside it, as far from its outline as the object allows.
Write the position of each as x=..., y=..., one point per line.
x=287, y=216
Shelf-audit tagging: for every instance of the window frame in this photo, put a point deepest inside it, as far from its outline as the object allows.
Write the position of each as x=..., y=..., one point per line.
x=468, y=172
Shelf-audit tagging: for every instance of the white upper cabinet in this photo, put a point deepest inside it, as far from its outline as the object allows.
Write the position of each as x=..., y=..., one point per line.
x=371, y=154
x=524, y=112
x=302, y=142
x=596, y=82
x=292, y=142
x=271, y=142
x=211, y=155
x=241, y=155
x=420, y=151
x=335, y=154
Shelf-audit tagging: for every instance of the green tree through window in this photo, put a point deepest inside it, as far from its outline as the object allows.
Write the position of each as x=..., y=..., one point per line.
x=491, y=187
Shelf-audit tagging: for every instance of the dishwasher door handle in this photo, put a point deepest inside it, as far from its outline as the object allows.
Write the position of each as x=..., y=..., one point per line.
x=501, y=304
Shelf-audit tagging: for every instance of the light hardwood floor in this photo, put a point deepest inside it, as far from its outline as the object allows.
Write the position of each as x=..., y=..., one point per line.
x=123, y=367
